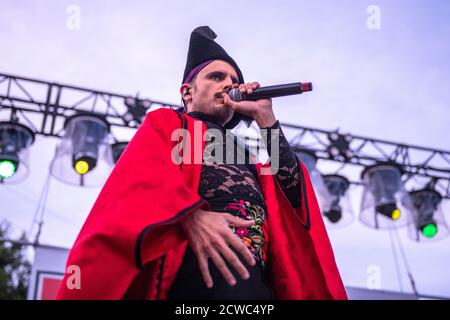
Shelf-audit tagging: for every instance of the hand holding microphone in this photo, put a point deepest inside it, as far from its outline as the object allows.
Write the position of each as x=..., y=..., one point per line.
x=255, y=101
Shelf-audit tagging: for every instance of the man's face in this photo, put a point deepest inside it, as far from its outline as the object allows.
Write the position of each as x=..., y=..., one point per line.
x=206, y=91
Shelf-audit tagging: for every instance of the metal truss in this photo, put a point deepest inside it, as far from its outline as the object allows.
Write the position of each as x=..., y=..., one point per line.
x=49, y=104
x=52, y=103
x=415, y=161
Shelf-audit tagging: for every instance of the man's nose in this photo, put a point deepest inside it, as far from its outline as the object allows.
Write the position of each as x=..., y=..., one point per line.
x=228, y=85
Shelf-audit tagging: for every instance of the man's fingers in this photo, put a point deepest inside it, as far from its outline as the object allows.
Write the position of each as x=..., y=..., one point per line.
x=249, y=88
x=233, y=260
x=203, y=264
x=227, y=100
x=237, y=244
x=238, y=222
x=221, y=266
x=255, y=85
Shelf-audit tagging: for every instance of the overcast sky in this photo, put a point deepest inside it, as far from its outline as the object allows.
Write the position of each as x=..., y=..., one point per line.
x=390, y=82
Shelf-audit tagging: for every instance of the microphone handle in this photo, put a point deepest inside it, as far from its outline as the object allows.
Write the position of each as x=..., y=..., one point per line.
x=276, y=91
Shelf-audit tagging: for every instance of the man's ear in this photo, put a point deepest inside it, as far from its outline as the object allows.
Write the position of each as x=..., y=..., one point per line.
x=185, y=91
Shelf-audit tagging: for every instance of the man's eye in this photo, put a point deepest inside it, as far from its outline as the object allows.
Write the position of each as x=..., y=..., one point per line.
x=216, y=77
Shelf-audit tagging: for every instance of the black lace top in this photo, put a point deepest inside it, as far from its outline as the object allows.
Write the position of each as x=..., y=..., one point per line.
x=224, y=178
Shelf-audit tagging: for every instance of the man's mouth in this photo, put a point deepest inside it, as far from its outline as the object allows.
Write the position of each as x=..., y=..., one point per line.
x=218, y=95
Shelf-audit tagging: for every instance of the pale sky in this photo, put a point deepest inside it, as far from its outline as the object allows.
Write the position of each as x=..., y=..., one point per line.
x=389, y=83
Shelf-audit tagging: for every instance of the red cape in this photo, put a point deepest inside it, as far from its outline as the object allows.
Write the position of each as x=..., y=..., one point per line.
x=132, y=244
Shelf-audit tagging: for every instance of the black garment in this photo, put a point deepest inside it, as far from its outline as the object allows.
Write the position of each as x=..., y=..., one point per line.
x=189, y=283
x=232, y=186
x=219, y=182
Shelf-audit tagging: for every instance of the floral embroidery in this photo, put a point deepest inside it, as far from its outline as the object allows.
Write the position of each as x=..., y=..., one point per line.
x=252, y=237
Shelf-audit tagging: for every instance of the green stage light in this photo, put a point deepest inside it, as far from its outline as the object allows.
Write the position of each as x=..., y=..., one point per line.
x=7, y=168
x=429, y=230
x=429, y=221
x=15, y=139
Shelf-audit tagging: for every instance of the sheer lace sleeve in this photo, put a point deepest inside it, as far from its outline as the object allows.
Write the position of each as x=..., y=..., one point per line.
x=288, y=173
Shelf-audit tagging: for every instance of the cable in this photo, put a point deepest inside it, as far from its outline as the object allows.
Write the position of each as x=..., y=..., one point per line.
x=40, y=210
x=394, y=252
x=405, y=261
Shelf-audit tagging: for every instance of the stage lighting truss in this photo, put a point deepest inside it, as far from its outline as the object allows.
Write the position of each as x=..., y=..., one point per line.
x=136, y=110
x=48, y=105
x=419, y=165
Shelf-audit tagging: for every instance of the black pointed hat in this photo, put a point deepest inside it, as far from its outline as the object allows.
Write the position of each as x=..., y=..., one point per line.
x=203, y=48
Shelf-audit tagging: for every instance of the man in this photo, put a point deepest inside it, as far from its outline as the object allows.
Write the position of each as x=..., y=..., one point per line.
x=168, y=229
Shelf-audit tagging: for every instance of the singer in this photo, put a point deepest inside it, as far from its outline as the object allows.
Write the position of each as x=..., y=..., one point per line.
x=211, y=229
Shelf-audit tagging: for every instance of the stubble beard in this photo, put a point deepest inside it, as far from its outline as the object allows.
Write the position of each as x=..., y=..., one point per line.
x=218, y=110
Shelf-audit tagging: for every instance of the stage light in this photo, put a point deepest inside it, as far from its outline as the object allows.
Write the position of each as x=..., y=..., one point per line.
x=15, y=140
x=340, y=213
x=396, y=213
x=7, y=168
x=429, y=230
x=309, y=159
x=385, y=200
x=85, y=148
x=82, y=166
x=428, y=216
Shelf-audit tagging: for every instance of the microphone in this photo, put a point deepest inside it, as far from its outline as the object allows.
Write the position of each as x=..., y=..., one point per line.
x=268, y=92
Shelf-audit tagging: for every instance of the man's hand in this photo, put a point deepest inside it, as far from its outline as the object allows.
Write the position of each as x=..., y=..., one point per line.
x=209, y=236
x=261, y=110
